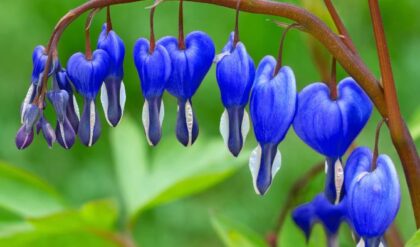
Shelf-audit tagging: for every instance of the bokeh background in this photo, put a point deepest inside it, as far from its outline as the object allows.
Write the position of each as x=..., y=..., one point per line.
x=121, y=189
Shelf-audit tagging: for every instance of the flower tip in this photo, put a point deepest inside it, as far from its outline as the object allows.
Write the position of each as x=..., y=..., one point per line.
x=234, y=127
x=24, y=138
x=186, y=126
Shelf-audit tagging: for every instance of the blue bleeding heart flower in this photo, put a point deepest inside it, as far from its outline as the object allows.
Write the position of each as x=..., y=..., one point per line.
x=272, y=107
x=65, y=133
x=189, y=67
x=330, y=126
x=113, y=94
x=87, y=76
x=373, y=196
x=154, y=70
x=47, y=131
x=320, y=210
x=25, y=134
x=62, y=81
x=235, y=73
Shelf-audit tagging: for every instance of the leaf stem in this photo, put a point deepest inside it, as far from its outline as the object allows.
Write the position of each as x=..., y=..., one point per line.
x=181, y=39
x=281, y=46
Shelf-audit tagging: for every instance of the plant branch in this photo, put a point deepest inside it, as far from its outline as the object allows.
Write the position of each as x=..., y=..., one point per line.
x=319, y=30
x=399, y=133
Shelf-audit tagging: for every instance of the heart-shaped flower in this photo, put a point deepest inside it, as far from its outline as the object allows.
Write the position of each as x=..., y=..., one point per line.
x=87, y=76
x=189, y=67
x=272, y=107
x=330, y=126
x=373, y=197
x=235, y=73
x=154, y=69
x=113, y=94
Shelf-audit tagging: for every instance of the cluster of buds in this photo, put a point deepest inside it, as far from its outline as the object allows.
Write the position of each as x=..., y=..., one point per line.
x=327, y=118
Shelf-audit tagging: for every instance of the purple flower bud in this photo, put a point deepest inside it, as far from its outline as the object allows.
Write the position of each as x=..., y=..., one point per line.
x=25, y=134
x=47, y=131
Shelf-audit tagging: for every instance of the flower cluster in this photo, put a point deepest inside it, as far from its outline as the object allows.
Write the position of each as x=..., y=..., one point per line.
x=366, y=193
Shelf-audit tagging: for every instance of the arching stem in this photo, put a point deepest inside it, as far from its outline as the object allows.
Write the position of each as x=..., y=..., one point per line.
x=280, y=55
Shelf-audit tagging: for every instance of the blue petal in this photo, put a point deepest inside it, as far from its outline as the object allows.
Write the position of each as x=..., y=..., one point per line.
x=189, y=66
x=273, y=101
x=153, y=69
x=63, y=82
x=374, y=198
x=90, y=125
x=235, y=74
x=359, y=161
x=24, y=137
x=88, y=75
x=330, y=126
x=114, y=46
x=65, y=134
x=59, y=99
x=39, y=59
x=47, y=131
x=186, y=123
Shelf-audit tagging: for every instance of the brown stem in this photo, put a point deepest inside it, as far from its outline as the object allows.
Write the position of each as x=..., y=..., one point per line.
x=353, y=65
x=297, y=187
x=280, y=55
x=87, y=33
x=399, y=133
x=393, y=237
x=108, y=19
x=152, y=31
x=181, y=39
x=236, y=35
x=376, y=148
x=342, y=30
x=332, y=84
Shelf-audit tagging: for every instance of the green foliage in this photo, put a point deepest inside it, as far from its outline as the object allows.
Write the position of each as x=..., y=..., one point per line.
x=414, y=124
x=168, y=174
x=414, y=241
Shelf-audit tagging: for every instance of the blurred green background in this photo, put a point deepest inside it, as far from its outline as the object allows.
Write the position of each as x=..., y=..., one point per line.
x=170, y=195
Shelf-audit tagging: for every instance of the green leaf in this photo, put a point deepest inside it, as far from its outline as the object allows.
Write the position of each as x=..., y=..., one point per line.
x=92, y=225
x=171, y=172
x=414, y=124
x=25, y=194
x=292, y=234
x=414, y=241
x=236, y=235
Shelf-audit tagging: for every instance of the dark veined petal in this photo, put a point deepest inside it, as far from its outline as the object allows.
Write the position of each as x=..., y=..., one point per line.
x=330, y=126
x=114, y=46
x=189, y=66
x=273, y=102
x=186, y=123
x=47, y=131
x=373, y=196
x=322, y=211
x=89, y=126
x=72, y=110
x=88, y=75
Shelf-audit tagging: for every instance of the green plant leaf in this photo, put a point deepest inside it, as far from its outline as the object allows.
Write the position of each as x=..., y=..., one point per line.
x=234, y=234
x=26, y=195
x=92, y=225
x=414, y=124
x=171, y=172
x=414, y=241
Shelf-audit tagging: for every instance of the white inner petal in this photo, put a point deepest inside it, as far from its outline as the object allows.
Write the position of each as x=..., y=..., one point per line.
x=76, y=107
x=245, y=127
x=26, y=101
x=146, y=120
x=326, y=167
x=276, y=165
x=92, y=121
x=220, y=56
x=161, y=113
x=123, y=98
x=104, y=101
x=338, y=179
x=189, y=117
x=361, y=243
x=361, y=175
x=63, y=135
x=224, y=127
x=254, y=166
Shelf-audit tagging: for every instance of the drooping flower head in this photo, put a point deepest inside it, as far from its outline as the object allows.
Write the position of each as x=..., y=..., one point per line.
x=235, y=73
x=113, y=94
x=273, y=106
x=25, y=134
x=189, y=67
x=154, y=70
x=373, y=196
x=87, y=76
